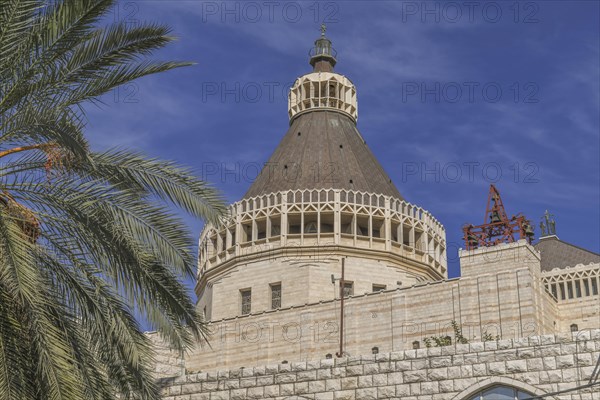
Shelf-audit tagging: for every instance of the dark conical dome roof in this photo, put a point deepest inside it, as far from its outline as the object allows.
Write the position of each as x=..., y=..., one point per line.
x=323, y=150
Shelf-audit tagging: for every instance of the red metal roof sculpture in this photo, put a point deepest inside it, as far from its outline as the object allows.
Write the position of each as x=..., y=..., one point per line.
x=497, y=227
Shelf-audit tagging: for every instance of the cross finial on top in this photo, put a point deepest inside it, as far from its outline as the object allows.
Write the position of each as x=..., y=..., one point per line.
x=322, y=56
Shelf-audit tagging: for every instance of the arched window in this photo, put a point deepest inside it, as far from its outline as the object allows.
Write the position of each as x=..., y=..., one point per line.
x=501, y=393
x=310, y=227
x=500, y=388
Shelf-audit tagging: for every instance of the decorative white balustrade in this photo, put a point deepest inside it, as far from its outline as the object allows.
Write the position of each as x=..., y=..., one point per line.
x=318, y=221
x=323, y=90
x=572, y=283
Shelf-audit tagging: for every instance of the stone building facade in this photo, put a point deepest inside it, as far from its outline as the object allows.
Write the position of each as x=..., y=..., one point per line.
x=323, y=225
x=546, y=366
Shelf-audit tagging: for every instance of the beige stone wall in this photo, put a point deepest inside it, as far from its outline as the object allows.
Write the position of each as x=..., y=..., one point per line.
x=390, y=321
x=502, y=261
x=298, y=238
x=502, y=293
x=538, y=365
x=168, y=363
x=505, y=299
x=303, y=280
x=499, y=258
x=582, y=312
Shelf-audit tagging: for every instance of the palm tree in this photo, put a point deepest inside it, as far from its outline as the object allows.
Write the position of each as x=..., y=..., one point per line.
x=88, y=245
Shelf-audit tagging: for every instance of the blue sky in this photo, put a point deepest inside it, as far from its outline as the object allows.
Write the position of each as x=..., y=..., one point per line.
x=452, y=97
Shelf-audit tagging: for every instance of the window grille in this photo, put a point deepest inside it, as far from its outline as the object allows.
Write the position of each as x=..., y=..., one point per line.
x=246, y=301
x=276, y=296
x=348, y=289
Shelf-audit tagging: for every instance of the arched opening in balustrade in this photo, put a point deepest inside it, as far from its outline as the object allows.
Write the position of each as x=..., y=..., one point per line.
x=327, y=222
x=261, y=228
x=275, y=226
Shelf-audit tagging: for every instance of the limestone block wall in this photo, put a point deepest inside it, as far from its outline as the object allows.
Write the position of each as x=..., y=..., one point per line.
x=585, y=313
x=498, y=258
x=303, y=280
x=225, y=299
x=168, y=363
x=539, y=365
x=508, y=304
x=503, y=261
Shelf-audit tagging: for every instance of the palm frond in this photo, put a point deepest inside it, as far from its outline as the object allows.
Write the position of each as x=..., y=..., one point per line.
x=15, y=22
x=89, y=245
x=165, y=179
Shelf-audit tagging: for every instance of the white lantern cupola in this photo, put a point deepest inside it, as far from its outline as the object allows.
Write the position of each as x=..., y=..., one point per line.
x=323, y=89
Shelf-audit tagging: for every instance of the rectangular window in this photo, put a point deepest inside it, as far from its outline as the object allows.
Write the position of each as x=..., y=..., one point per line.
x=554, y=291
x=348, y=288
x=246, y=233
x=246, y=295
x=378, y=288
x=594, y=286
x=577, y=288
x=570, y=289
x=561, y=285
x=275, y=296
x=586, y=286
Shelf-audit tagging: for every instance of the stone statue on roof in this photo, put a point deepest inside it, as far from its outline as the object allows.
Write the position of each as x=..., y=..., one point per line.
x=549, y=228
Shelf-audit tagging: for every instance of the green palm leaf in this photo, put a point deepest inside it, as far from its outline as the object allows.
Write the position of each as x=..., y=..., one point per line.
x=87, y=240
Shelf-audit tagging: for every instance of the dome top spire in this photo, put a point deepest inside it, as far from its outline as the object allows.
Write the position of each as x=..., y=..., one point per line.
x=323, y=111
x=322, y=55
x=322, y=89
